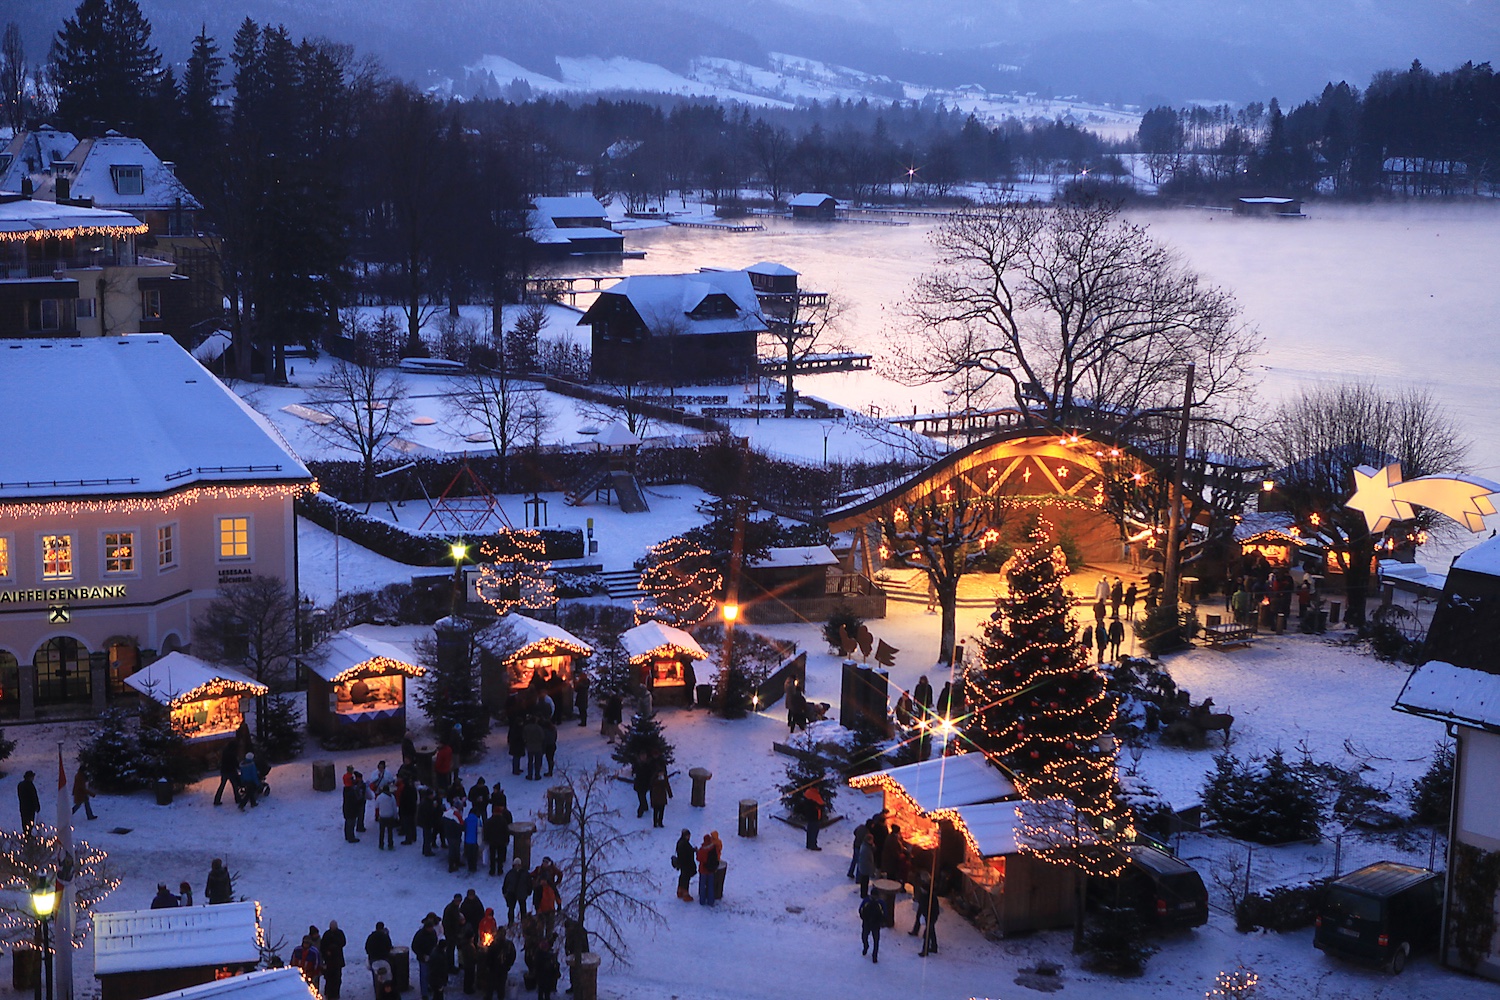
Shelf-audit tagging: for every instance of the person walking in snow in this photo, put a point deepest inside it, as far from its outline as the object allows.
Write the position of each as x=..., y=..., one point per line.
x=406, y=806
x=249, y=782
x=871, y=920
x=535, y=744
x=709, y=854
x=423, y=947
x=859, y=838
x=1101, y=639
x=453, y=833
x=581, y=696
x=1132, y=593
x=1116, y=596
x=811, y=804
x=497, y=834
x=332, y=946
x=220, y=885
x=516, y=888
x=473, y=825
x=660, y=792
x=864, y=865
x=353, y=804
x=229, y=772
x=385, y=819
x=614, y=715
x=549, y=744
x=29, y=801
x=1116, y=637
x=685, y=860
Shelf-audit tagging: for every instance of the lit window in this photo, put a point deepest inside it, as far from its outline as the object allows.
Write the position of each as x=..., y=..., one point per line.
x=151, y=303
x=4, y=556
x=119, y=552
x=234, y=538
x=166, y=546
x=129, y=179
x=57, y=557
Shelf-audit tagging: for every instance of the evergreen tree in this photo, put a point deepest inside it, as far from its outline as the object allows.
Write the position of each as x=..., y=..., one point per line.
x=643, y=739
x=282, y=734
x=1431, y=795
x=111, y=753
x=1040, y=700
x=105, y=68
x=202, y=123
x=450, y=696
x=803, y=773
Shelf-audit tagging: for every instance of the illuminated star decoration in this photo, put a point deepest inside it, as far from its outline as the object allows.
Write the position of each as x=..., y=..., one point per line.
x=1382, y=496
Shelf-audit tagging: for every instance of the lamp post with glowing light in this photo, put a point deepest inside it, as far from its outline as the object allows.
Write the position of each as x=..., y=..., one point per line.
x=458, y=550
x=730, y=612
x=43, y=903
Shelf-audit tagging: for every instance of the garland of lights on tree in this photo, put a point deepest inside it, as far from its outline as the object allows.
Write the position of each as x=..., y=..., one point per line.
x=681, y=581
x=516, y=573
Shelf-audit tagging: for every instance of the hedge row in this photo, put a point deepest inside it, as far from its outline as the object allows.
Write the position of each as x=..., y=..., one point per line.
x=410, y=547
x=1284, y=908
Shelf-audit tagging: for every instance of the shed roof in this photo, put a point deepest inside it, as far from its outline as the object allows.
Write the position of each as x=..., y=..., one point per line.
x=794, y=556
x=176, y=938
x=648, y=637
x=576, y=207
x=992, y=825
x=514, y=633
x=811, y=199
x=169, y=424
x=665, y=302
x=772, y=269
x=348, y=653
x=1482, y=558
x=943, y=782
x=285, y=983
x=178, y=677
x=1450, y=693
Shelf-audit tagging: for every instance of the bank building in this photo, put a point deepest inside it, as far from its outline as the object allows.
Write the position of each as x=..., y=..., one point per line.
x=133, y=487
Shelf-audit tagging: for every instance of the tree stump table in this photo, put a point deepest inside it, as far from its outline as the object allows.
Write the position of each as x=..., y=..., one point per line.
x=521, y=833
x=749, y=818
x=700, y=776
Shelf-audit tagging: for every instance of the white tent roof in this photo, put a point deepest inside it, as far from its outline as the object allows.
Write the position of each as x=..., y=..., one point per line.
x=1444, y=691
x=285, y=983
x=796, y=556
x=178, y=674
x=616, y=435
x=170, y=423
x=175, y=938
x=346, y=650
x=514, y=633
x=946, y=782
x=993, y=826
x=653, y=635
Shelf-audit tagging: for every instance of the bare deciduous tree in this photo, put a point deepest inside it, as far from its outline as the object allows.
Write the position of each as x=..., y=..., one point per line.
x=13, y=78
x=601, y=890
x=511, y=412
x=939, y=535
x=1078, y=310
x=252, y=625
x=799, y=324
x=1316, y=440
x=369, y=408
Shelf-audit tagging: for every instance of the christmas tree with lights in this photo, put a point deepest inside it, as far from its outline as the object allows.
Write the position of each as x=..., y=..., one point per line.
x=1040, y=701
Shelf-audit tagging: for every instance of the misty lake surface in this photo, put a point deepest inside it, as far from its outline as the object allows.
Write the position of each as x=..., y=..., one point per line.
x=1400, y=294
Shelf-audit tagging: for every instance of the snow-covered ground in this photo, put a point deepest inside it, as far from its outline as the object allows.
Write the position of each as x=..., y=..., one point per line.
x=787, y=926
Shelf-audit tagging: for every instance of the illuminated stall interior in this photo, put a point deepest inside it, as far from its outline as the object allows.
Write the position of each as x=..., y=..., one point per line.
x=519, y=654
x=914, y=792
x=205, y=700
x=660, y=654
x=1273, y=536
x=355, y=684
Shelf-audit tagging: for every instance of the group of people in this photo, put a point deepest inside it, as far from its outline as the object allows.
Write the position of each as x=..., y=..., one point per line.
x=879, y=851
x=705, y=861
x=241, y=772
x=30, y=802
x=1244, y=591
x=218, y=889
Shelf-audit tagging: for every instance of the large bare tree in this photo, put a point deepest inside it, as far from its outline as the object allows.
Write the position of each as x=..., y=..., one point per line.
x=511, y=412
x=1082, y=315
x=940, y=534
x=798, y=325
x=252, y=625
x=368, y=405
x=1318, y=437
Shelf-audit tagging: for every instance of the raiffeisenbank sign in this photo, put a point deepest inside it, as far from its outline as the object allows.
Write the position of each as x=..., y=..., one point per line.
x=46, y=594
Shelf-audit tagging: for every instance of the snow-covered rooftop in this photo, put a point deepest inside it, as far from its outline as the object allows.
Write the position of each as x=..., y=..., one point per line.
x=94, y=175
x=772, y=269
x=665, y=302
x=514, y=633
x=576, y=207
x=178, y=676
x=993, y=826
x=945, y=782
x=616, y=435
x=162, y=422
x=33, y=153
x=1444, y=691
x=1256, y=523
x=797, y=556
x=1482, y=558
x=1267, y=201
x=176, y=938
x=344, y=651
x=285, y=983
x=30, y=218
x=647, y=637
x=810, y=199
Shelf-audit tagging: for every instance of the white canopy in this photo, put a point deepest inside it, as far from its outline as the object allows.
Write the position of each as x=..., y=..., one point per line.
x=616, y=435
x=648, y=637
x=344, y=651
x=795, y=556
x=944, y=782
x=176, y=938
x=178, y=677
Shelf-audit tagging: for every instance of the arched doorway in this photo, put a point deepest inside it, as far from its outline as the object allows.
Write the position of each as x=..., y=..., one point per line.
x=10, y=685
x=62, y=672
x=171, y=644
x=123, y=658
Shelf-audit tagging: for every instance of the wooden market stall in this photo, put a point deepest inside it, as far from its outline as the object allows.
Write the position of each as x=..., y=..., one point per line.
x=142, y=953
x=660, y=655
x=356, y=689
x=204, y=700
x=523, y=657
x=1009, y=892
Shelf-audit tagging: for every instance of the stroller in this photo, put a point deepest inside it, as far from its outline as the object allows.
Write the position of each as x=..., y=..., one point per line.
x=262, y=768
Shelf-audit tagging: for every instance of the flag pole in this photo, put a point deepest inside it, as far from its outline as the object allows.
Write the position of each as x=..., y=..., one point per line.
x=62, y=942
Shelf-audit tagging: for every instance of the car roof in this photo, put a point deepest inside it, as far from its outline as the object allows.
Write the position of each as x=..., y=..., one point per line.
x=1157, y=861
x=1383, y=878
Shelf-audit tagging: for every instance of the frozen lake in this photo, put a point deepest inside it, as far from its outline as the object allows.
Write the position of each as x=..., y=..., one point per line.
x=1402, y=294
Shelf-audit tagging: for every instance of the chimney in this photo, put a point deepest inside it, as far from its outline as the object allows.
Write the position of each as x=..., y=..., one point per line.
x=26, y=188
x=63, y=187
x=170, y=166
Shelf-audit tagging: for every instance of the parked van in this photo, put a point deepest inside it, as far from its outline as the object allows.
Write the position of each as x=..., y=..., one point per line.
x=1165, y=891
x=1380, y=914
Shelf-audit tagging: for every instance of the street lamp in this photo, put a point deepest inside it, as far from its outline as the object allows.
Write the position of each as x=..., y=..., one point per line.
x=458, y=550
x=43, y=903
x=731, y=613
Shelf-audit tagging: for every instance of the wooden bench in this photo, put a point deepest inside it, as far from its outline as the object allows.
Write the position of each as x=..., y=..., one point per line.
x=1229, y=634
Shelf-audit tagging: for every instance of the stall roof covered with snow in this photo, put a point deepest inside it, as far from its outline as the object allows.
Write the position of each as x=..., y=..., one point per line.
x=347, y=656
x=169, y=423
x=177, y=938
x=178, y=678
x=285, y=983
x=797, y=556
x=654, y=638
x=942, y=782
x=517, y=635
x=992, y=827
x=1443, y=691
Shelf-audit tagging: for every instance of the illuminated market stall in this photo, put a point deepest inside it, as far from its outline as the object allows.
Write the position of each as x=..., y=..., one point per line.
x=356, y=689
x=205, y=701
x=958, y=815
x=143, y=953
x=659, y=657
x=524, y=657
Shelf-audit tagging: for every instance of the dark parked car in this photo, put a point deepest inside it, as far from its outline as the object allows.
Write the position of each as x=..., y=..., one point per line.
x=1381, y=914
x=1165, y=891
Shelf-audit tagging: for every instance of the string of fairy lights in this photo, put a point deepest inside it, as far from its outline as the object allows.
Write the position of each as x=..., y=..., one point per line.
x=72, y=232
x=378, y=666
x=163, y=504
x=517, y=573
x=682, y=583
